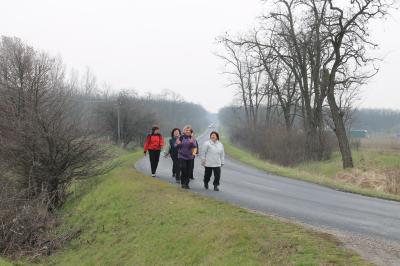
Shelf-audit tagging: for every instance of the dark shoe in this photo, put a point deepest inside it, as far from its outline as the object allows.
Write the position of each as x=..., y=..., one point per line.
x=206, y=185
x=216, y=188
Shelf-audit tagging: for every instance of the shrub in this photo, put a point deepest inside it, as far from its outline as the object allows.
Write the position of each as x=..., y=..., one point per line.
x=43, y=142
x=278, y=145
x=26, y=224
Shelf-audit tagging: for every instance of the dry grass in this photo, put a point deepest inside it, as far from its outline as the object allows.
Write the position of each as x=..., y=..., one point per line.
x=387, y=180
x=381, y=144
x=393, y=180
x=377, y=165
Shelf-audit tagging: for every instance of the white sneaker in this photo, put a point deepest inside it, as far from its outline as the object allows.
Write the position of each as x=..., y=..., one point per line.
x=153, y=175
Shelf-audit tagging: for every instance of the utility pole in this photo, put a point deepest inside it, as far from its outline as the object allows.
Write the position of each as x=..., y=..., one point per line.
x=118, y=116
x=119, y=121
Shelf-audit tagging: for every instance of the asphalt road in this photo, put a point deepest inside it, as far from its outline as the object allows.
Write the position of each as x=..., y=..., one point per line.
x=296, y=200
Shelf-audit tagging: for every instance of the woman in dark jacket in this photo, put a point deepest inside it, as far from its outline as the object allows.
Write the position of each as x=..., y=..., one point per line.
x=173, y=152
x=154, y=143
x=185, y=145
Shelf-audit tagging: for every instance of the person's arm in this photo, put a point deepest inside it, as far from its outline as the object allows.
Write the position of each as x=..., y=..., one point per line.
x=162, y=142
x=167, y=149
x=178, y=143
x=203, y=153
x=222, y=155
x=146, y=145
x=198, y=149
x=193, y=143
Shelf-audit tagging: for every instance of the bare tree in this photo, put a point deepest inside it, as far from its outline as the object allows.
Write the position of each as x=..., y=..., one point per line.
x=43, y=143
x=248, y=77
x=347, y=28
x=282, y=81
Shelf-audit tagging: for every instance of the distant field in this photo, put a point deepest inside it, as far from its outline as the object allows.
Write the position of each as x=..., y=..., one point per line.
x=131, y=219
x=376, y=173
x=381, y=143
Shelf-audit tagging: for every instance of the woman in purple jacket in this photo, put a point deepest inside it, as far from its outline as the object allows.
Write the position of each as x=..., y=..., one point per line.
x=185, y=145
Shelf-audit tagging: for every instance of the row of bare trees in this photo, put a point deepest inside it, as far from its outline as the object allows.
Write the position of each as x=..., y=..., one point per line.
x=56, y=130
x=127, y=117
x=305, y=61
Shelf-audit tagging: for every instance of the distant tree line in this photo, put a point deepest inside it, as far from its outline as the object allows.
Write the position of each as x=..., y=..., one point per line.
x=381, y=121
x=127, y=117
x=299, y=70
x=55, y=130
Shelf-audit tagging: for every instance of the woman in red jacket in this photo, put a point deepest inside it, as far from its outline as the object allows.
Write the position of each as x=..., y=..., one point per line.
x=154, y=143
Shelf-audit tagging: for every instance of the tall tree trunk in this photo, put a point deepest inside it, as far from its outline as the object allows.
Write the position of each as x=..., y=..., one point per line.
x=319, y=121
x=286, y=115
x=340, y=131
x=311, y=130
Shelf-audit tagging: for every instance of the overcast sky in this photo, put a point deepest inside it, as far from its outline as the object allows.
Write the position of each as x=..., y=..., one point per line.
x=159, y=44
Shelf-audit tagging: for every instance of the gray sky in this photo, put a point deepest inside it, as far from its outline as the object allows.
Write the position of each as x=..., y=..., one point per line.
x=159, y=44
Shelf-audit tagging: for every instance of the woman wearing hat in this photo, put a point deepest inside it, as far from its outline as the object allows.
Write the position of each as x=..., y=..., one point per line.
x=154, y=143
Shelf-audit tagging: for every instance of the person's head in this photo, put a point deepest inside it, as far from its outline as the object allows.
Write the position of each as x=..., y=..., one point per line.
x=187, y=130
x=176, y=132
x=214, y=136
x=155, y=129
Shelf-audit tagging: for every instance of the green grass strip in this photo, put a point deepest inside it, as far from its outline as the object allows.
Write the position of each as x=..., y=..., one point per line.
x=132, y=219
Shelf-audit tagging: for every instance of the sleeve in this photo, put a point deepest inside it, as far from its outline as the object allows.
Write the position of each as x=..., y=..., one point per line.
x=222, y=155
x=203, y=152
x=146, y=144
x=194, y=144
x=162, y=141
x=178, y=145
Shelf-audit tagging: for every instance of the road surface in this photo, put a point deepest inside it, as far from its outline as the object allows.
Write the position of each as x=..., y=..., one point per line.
x=303, y=202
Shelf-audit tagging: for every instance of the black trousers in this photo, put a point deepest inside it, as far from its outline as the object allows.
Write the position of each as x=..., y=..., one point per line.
x=186, y=171
x=191, y=172
x=208, y=173
x=154, y=159
x=176, y=168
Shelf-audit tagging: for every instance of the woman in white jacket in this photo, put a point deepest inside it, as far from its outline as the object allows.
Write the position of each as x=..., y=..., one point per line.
x=213, y=157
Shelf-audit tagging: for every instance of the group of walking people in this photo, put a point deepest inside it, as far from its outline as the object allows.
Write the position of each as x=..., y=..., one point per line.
x=183, y=149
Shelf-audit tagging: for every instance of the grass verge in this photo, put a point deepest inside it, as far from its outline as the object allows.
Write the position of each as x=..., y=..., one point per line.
x=4, y=262
x=131, y=219
x=318, y=172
